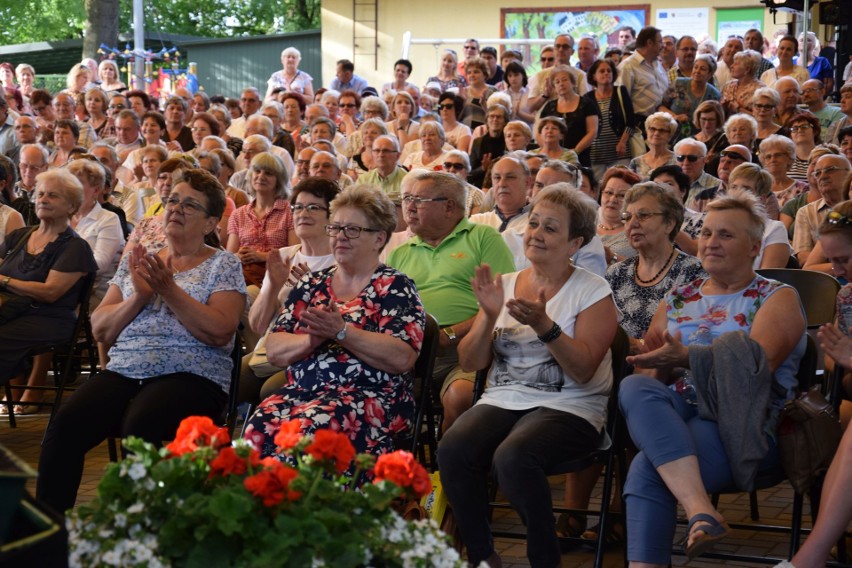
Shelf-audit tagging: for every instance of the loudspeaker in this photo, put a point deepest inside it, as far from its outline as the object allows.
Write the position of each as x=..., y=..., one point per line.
x=832, y=12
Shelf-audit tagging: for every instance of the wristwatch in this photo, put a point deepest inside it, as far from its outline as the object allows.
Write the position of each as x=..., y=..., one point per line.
x=450, y=333
x=341, y=335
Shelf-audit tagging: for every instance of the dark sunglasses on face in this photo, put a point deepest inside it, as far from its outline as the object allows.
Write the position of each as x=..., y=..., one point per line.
x=733, y=155
x=690, y=158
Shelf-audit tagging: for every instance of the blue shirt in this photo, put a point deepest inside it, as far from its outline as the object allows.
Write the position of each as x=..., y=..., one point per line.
x=356, y=83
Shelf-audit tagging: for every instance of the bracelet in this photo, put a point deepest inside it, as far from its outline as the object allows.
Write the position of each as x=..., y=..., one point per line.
x=450, y=333
x=552, y=334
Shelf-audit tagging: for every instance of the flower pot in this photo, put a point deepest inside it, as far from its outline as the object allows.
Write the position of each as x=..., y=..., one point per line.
x=14, y=474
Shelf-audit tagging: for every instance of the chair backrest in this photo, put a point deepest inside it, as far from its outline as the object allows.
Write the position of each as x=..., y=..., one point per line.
x=817, y=291
x=423, y=370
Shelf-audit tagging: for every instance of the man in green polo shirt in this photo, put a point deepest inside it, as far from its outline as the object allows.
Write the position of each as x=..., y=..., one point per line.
x=441, y=259
x=387, y=174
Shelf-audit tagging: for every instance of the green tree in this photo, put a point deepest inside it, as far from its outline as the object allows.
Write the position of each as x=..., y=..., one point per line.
x=27, y=21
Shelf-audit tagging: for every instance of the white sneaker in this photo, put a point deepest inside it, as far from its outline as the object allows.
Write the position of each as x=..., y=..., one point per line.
x=785, y=564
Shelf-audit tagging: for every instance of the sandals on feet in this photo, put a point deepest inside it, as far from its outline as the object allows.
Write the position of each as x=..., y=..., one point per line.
x=712, y=532
x=613, y=538
x=570, y=525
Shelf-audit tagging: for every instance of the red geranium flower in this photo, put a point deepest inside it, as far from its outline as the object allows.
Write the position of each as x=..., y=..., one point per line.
x=195, y=432
x=402, y=469
x=328, y=445
x=273, y=484
x=228, y=462
x=289, y=434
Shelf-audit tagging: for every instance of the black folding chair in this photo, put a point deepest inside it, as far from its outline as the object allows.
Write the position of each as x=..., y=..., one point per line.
x=614, y=430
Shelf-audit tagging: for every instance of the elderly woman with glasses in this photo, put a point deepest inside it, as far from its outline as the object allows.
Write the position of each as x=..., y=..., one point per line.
x=615, y=183
x=764, y=108
x=348, y=335
x=170, y=318
x=660, y=127
x=805, y=132
x=777, y=154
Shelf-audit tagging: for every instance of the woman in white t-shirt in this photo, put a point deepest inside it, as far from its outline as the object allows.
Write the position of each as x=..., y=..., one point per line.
x=545, y=333
x=310, y=205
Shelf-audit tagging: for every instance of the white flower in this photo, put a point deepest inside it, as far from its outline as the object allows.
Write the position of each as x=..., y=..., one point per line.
x=137, y=471
x=137, y=507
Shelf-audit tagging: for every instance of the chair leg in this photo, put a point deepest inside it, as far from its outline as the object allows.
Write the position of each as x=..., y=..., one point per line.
x=10, y=407
x=796, y=524
x=752, y=502
x=113, y=452
x=605, y=514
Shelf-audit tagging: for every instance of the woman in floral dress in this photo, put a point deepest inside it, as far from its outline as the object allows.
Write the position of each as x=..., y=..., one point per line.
x=349, y=336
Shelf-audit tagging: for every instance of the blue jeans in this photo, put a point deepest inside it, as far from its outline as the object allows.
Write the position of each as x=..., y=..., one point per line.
x=518, y=446
x=665, y=428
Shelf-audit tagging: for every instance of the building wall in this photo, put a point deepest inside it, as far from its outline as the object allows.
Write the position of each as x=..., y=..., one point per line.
x=453, y=19
x=226, y=66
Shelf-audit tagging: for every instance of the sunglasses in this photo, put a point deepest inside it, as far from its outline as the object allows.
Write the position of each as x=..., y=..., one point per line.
x=732, y=155
x=446, y=107
x=451, y=166
x=835, y=218
x=690, y=158
x=548, y=59
x=347, y=105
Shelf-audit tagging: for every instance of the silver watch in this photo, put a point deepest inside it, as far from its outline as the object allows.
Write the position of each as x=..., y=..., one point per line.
x=341, y=335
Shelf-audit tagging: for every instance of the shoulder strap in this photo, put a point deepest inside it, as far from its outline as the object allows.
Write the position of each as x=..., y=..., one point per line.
x=20, y=244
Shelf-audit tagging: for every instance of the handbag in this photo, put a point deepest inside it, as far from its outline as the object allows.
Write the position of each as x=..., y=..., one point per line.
x=258, y=362
x=635, y=143
x=809, y=433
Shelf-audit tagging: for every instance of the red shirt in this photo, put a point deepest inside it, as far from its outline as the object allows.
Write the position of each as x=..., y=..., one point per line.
x=264, y=234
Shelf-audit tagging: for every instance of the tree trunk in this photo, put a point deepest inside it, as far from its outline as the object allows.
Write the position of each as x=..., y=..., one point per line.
x=101, y=26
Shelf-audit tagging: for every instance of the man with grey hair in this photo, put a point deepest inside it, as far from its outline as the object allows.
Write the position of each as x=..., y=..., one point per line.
x=303, y=164
x=26, y=132
x=261, y=125
x=691, y=155
x=63, y=108
x=324, y=165
x=252, y=146
x=832, y=175
x=813, y=95
x=250, y=102
x=754, y=41
x=33, y=160
x=587, y=52
x=176, y=128
x=441, y=258
x=388, y=173
x=125, y=196
x=274, y=111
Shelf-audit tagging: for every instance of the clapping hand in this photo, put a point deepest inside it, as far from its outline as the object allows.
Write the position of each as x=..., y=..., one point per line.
x=150, y=273
x=322, y=322
x=531, y=312
x=488, y=291
x=836, y=345
x=297, y=272
x=278, y=268
x=661, y=351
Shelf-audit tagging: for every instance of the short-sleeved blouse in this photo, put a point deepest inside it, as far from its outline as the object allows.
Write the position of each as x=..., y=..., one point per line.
x=525, y=375
x=636, y=303
x=264, y=234
x=67, y=253
x=299, y=84
x=156, y=343
x=700, y=319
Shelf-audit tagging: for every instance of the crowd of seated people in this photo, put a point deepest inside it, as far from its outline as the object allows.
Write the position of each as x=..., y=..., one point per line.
x=531, y=207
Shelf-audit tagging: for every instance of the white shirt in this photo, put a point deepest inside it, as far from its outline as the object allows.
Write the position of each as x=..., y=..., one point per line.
x=645, y=82
x=102, y=230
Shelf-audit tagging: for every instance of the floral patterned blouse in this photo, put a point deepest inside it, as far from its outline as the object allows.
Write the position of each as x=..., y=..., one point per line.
x=332, y=388
x=701, y=319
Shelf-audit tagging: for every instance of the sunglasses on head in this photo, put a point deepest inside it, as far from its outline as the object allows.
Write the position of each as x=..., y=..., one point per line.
x=733, y=155
x=692, y=159
x=835, y=218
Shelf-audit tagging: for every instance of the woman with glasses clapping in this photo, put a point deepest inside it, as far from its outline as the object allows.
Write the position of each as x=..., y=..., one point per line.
x=348, y=335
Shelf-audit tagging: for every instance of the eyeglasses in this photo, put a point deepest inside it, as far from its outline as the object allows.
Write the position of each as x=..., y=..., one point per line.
x=835, y=218
x=801, y=127
x=733, y=155
x=347, y=105
x=384, y=151
x=563, y=46
x=548, y=59
x=199, y=129
x=302, y=162
x=188, y=206
x=692, y=159
x=762, y=107
x=453, y=166
x=310, y=208
x=350, y=231
x=116, y=107
x=39, y=110
x=641, y=216
x=825, y=171
x=418, y=201
x=652, y=129
x=809, y=90
x=446, y=107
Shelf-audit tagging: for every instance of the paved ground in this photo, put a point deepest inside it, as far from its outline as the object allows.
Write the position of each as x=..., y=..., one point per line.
x=775, y=506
